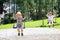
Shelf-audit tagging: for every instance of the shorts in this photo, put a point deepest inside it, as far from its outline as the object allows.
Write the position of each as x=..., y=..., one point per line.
x=19, y=26
x=50, y=22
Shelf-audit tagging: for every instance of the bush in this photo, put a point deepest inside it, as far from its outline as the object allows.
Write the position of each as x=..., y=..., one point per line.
x=8, y=19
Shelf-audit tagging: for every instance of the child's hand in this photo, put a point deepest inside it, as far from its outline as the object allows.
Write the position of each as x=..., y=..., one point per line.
x=24, y=18
x=54, y=15
x=47, y=14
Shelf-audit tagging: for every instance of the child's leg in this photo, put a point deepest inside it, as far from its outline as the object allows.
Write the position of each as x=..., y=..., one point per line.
x=49, y=24
x=52, y=23
x=18, y=31
x=22, y=31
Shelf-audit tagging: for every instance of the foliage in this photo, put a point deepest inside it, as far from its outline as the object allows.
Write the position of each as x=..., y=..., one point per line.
x=37, y=9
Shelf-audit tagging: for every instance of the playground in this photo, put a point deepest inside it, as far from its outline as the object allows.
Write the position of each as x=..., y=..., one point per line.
x=41, y=19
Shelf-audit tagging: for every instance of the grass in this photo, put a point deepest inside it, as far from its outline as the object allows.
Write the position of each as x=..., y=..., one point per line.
x=34, y=24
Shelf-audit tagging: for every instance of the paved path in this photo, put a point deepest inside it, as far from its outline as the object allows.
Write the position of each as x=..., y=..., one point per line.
x=31, y=34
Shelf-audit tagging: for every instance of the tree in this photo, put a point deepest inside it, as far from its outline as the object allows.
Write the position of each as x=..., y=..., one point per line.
x=59, y=7
x=1, y=7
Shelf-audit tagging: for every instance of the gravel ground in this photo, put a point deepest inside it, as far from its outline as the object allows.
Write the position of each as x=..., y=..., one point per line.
x=31, y=34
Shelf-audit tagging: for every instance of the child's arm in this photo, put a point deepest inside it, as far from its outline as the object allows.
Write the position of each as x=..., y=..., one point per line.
x=47, y=15
x=54, y=15
x=15, y=17
x=24, y=18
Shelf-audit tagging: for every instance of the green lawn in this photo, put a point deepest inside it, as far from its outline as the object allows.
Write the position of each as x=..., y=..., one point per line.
x=34, y=24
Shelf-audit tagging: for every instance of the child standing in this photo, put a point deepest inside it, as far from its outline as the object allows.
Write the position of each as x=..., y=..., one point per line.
x=50, y=19
x=19, y=19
